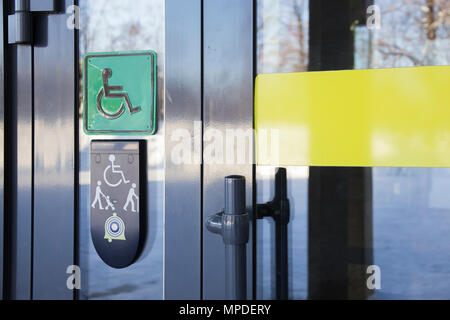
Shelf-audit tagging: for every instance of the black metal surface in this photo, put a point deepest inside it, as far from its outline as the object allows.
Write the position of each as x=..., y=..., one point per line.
x=20, y=23
x=20, y=28
x=279, y=210
x=21, y=5
x=360, y=11
x=2, y=145
x=46, y=5
x=54, y=155
x=7, y=7
x=228, y=104
x=339, y=199
x=20, y=168
x=281, y=258
x=331, y=39
x=183, y=217
x=118, y=210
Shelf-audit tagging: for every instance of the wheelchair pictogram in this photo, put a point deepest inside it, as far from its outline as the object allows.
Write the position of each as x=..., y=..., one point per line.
x=106, y=91
x=114, y=169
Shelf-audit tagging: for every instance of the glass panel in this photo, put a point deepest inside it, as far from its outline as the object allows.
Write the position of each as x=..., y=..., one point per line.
x=395, y=219
x=114, y=25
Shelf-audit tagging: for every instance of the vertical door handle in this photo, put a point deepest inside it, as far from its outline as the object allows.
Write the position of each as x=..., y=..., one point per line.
x=279, y=210
x=233, y=225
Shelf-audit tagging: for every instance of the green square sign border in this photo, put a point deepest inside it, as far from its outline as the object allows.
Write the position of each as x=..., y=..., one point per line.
x=153, y=56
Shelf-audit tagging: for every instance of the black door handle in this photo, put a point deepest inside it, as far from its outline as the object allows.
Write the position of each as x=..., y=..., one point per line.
x=279, y=210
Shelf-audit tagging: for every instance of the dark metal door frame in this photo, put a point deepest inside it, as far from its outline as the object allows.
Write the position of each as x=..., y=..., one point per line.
x=183, y=182
x=2, y=144
x=43, y=97
x=18, y=176
x=55, y=115
x=201, y=88
x=228, y=59
x=41, y=114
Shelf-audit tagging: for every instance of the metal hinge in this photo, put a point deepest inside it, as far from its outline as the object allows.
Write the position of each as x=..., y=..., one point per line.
x=20, y=24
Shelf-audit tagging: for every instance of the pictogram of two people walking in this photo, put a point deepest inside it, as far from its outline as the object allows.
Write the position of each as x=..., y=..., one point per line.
x=132, y=199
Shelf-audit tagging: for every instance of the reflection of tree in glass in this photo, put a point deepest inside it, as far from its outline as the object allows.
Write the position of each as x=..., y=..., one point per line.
x=121, y=25
x=282, y=35
x=412, y=33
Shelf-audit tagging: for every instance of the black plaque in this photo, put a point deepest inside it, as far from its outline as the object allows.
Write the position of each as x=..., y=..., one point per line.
x=117, y=205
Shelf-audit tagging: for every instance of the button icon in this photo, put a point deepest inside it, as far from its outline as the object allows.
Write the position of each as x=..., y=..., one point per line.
x=114, y=228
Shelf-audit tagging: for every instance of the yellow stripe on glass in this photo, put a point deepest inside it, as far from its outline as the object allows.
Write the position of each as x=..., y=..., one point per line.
x=383, y=117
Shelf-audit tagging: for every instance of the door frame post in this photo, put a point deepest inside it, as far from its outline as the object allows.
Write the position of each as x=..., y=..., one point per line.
x=228, y=102
x=183, y=181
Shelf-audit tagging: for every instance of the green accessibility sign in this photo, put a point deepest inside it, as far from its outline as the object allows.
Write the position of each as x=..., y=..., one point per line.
x=120, y=93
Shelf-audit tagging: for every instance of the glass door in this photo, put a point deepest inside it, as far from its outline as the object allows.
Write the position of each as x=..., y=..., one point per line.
x=356, y=233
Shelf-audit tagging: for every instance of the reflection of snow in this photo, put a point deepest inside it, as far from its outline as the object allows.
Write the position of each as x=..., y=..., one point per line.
x=440, y=185
x=411, y=237
x=411, y=233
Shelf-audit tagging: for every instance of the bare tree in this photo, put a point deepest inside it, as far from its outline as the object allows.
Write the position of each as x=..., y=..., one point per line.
x=415, y=32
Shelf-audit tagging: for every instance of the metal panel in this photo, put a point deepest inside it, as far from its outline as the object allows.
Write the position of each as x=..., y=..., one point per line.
x=20, y=204
x=182, y=271
x=228, y=105
x=2, y=145
x=18, y=161
x=357, y=118
x=45, y=5
x=339, y=199
x=54, y=160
